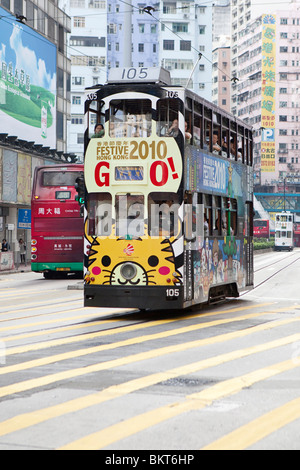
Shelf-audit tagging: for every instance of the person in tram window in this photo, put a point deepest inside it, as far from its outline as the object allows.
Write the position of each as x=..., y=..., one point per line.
x=173, y=130
x=216, y=146
x=98, y=131
x=188, y=135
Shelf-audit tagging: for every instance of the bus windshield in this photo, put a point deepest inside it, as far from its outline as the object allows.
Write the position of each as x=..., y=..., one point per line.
x=59, y=178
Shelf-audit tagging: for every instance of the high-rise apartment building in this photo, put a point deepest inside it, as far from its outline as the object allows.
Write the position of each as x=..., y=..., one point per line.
x=268, y=92
x=176, y=35
x=87, y=47
x=221, y=76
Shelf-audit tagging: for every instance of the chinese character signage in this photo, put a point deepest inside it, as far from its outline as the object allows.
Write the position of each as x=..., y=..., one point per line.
x=268, y=93
x=27, y=82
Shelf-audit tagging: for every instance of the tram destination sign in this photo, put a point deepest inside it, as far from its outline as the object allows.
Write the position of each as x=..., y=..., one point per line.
x=139, y=74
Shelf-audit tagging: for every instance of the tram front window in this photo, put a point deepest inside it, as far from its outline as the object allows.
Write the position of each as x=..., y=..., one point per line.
x=130, y=118
x=129, y=215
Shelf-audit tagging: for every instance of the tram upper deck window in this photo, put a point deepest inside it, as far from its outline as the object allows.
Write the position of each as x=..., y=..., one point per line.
x=207, y=144
x=96, y=114
x=241, y=145
x=216, y=135
x=225, y=137
x=197, y=132
x=167, y=117
x=130, y=118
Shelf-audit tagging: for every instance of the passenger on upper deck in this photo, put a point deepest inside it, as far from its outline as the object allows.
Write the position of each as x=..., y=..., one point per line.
x=188, y=135
x=173, y=130
x=216, y=146
x=98, y=131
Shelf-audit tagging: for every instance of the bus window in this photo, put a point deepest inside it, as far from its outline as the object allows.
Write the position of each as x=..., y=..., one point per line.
x=163, y=211
x=59, y=178
x=167, y=117
x=129, y=215
x=100, y=214
x=130, y=118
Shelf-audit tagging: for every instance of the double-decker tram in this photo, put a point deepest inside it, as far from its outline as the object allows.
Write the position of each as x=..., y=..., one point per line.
x=56, y=222
x=284, y=231
x=168, y=206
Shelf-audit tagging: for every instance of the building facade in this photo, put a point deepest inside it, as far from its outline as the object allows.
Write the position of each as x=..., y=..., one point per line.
x=221, y=92
x=34, y=106
x=268, y=93
x=176, y=35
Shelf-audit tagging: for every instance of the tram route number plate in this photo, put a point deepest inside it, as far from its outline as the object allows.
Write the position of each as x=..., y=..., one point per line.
x=172, y=294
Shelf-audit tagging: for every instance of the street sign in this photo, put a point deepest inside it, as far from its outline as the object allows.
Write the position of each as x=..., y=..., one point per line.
x=24, y=219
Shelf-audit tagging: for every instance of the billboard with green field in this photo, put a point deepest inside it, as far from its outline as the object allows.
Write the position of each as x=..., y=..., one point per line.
x=27, y=83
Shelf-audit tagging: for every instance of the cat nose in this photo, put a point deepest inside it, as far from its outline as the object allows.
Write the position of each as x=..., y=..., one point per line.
x=128, y=271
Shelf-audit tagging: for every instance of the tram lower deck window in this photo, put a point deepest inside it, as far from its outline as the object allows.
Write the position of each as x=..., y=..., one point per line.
x=130, y=215
x=99, y=214
x=163, y=217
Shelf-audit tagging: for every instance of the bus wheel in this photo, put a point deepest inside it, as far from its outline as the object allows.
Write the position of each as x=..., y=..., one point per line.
x=48, y=275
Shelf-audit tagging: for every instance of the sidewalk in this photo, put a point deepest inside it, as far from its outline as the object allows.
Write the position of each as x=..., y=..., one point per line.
x=21, y=269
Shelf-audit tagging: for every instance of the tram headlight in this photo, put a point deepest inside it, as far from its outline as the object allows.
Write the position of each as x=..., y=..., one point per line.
x=128, y=271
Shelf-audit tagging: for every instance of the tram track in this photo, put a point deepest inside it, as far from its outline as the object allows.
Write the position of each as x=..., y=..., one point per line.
x=277, y=272
x=271, y=264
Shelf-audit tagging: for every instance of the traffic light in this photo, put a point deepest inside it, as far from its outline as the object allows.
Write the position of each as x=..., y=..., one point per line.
x=80, y=188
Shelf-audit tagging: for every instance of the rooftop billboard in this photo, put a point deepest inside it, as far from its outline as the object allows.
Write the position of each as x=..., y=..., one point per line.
x=27, y=83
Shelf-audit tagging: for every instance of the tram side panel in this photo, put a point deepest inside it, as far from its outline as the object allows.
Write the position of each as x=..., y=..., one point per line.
x=219, y=259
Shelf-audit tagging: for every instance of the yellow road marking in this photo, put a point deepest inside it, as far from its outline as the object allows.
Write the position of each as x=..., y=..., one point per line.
x=72, y=339
x=21, y=294
x=58, y=320
x=196, y=401
x=46, y=380
x=36, y=417
x=60, y=302
x=256, y=430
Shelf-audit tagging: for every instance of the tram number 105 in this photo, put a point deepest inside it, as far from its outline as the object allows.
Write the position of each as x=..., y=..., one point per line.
x=172, y=294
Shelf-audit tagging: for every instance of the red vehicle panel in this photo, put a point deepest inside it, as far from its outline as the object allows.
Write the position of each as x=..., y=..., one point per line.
x=57, y=225
x=261, y=228
x=297, y=234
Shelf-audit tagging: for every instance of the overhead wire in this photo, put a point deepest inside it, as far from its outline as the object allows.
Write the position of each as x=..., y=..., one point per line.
x=148, y=10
